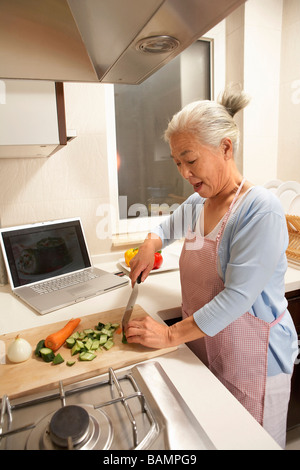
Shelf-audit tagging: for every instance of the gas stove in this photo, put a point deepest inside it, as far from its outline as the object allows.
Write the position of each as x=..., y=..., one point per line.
x=132, y=410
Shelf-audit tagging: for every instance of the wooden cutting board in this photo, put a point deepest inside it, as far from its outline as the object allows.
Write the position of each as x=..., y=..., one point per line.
x=35, y=375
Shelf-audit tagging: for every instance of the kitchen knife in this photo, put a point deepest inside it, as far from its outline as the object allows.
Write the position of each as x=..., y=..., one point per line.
x=129, y=307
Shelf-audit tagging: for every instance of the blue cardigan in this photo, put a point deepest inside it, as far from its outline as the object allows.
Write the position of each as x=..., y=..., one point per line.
x=253, y=264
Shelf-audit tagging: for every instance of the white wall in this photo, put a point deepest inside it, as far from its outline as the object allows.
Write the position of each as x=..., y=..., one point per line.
x=262, y=43
x=251, y=58
x=235, y=70
x=289, y=104
x=263, y=54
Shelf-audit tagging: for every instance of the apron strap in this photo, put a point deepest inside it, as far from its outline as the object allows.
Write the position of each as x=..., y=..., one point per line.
x=274, y=322
x=228, y=213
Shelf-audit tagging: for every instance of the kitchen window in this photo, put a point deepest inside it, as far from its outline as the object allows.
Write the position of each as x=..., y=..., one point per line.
x=148, y=183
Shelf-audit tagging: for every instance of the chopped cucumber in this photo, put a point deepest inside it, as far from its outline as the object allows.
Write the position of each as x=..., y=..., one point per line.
x=85, y=343
x=95, y=344
x=102, y=339
x=58, y=359
x=70, y=342
x=96, y=334
x=87, y=356
x=88, y=331
x=88, y=343
x=39, y=346
x=105, y=331
x=109, y=344
x=47, y=354
x=80, y=344
x=75, y=350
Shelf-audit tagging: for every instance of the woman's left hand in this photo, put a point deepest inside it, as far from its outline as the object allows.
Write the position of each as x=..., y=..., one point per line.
x=148, y=332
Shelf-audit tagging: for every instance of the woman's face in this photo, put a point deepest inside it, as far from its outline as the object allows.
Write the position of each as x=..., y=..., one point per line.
x=206, y=168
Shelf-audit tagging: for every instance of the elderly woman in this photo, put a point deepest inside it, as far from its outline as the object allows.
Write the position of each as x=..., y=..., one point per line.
x=232, y=267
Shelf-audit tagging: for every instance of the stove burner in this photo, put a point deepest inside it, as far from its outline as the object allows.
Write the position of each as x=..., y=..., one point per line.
x=69, y=426
x=80, y=427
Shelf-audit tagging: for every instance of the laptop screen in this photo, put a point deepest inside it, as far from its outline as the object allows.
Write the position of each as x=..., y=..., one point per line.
x=39, y=252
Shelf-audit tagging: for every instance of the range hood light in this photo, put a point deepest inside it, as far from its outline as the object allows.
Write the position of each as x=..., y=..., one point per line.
x=157, y=44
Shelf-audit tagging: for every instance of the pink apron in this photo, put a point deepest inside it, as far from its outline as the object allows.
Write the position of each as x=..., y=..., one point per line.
x=238, y=354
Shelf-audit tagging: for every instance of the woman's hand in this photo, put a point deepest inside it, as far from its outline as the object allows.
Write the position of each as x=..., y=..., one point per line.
x=152, y=334
x=148, y=332
x=143, y=261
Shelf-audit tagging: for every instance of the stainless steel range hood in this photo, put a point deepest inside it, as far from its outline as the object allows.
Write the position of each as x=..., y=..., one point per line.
x=100, y=40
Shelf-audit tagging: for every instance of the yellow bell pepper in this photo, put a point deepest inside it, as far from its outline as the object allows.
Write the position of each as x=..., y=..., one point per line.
x=129, y=254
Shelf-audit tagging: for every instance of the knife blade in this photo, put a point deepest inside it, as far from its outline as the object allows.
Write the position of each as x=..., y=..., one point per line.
x=129, y=307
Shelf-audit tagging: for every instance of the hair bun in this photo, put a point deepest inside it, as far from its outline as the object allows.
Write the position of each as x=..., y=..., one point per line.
x=233, y=100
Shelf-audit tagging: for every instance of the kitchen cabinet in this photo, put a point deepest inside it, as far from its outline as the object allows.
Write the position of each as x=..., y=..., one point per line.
x=293, y=299
x=294, y=406
x=32, y=116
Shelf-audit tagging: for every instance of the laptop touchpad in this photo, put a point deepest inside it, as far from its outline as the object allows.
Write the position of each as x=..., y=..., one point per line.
x=82, y=290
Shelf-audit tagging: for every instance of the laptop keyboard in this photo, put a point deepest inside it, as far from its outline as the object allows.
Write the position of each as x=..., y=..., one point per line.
x=61, y=283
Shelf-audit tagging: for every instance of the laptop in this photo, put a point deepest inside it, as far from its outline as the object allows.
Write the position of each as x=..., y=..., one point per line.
x=49, y=266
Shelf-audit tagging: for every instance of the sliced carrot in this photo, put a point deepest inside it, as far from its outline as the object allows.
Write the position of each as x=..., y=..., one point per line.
x=119, y=330
x=57, y=339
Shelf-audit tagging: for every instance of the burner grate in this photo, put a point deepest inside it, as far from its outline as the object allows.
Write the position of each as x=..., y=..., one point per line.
x=141, y=409
x=89, y=421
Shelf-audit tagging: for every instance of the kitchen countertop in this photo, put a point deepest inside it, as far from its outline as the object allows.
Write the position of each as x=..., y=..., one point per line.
x=226, y=422
x=292, y=279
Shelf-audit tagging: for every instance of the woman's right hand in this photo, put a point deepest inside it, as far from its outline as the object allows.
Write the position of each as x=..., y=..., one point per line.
x=143, y=261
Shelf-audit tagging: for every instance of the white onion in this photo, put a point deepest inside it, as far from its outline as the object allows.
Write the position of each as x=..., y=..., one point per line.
x=19, y=350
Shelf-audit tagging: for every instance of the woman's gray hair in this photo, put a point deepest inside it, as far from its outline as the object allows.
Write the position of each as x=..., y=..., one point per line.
x=210, y=121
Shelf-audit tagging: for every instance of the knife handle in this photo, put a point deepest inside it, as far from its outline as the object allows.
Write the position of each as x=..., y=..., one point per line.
x=139, y=279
